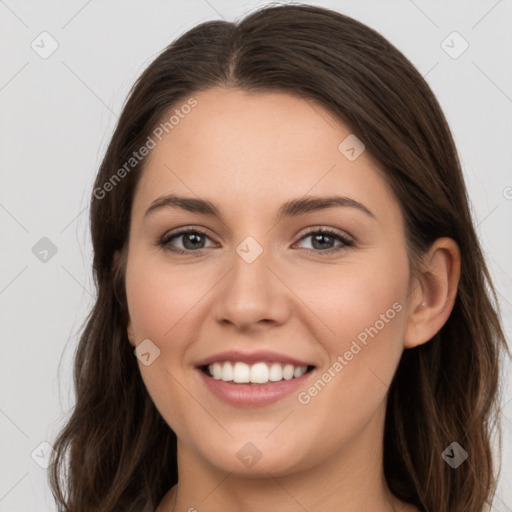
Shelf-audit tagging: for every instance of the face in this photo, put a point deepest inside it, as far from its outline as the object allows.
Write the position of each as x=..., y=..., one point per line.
x=250, y=280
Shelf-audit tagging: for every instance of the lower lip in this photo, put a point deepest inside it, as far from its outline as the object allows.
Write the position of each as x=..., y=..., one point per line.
x=253, y=395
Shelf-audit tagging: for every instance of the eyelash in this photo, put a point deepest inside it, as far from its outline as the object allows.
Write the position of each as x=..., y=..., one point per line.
x=346, y=242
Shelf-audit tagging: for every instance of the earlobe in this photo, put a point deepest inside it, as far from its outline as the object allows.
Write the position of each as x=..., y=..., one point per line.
x=129, y=332
x=435, y=293
x=115, y=262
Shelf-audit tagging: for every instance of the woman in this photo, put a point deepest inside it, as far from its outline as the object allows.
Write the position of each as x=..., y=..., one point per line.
x=293, y=308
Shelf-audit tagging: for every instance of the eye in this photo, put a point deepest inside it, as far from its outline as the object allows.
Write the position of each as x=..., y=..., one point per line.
x=323, y=238
x=192, y=240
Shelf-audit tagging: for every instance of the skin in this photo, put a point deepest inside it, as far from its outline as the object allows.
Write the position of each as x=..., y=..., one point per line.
x=248, y=154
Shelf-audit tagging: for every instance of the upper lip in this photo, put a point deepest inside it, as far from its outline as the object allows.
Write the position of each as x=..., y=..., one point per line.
x=251, y=358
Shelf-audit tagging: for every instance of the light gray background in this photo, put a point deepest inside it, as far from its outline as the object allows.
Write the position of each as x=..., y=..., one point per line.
x=56, y=119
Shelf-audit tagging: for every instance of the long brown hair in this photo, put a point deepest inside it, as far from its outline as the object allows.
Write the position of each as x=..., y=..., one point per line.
x=115, y=451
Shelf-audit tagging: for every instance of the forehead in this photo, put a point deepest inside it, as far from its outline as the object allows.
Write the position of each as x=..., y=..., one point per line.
x=260, y=149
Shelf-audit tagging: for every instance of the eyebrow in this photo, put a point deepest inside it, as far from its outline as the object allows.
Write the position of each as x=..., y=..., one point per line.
x=291, y=208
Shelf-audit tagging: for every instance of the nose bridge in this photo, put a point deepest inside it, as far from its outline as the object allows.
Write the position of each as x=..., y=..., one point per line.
x=250, y=276
x=251, y=292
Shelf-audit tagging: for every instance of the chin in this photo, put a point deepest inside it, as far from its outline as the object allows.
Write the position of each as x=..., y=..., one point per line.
x=255, y=459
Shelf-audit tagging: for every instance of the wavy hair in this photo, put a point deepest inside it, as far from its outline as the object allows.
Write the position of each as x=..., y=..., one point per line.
x=115, y=452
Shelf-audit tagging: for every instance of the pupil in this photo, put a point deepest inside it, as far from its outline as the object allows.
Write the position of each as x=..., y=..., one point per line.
x=319, y=238
x=188, y=238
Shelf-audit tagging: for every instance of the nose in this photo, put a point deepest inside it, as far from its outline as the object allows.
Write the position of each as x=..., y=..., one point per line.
x=252, y=294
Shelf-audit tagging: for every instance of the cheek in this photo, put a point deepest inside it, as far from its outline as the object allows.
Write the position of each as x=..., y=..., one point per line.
x=159, y=298
x=364, y=306
x=161, y=309
x=355, y=295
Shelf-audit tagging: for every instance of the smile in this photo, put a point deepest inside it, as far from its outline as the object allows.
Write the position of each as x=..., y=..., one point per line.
x=247, y=393
x=258, y=373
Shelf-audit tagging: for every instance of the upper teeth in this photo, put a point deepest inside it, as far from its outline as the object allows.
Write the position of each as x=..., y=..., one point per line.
x=258, y=373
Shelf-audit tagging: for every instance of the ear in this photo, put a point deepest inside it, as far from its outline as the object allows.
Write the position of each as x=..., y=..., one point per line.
x=434, y=292
x=131, y=337
x=129, y=331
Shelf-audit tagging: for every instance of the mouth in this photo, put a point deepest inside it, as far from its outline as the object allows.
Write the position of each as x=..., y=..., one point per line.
x=258, y=374
x=254, y=379
x=238, y=386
